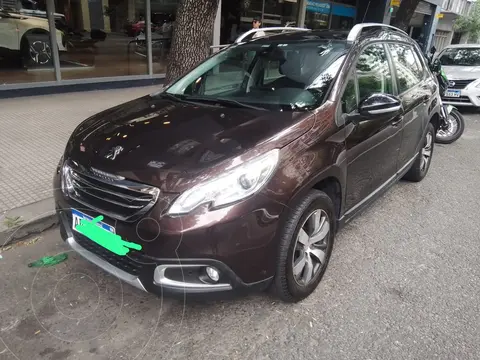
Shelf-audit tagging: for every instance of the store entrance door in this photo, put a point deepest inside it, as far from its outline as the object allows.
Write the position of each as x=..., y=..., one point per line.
x=238, y=15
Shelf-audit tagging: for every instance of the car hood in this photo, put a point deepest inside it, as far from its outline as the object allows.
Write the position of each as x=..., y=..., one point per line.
x=153, y=140
x=462, y=72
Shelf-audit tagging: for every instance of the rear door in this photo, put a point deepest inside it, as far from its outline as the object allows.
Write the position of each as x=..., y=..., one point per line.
x=416, y=90
x=372, y=144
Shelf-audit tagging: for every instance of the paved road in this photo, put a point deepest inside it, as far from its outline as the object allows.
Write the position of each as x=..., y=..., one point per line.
x=402, y=284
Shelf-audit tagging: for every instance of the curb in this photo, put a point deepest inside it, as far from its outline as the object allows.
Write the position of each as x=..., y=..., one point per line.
x=36, y=218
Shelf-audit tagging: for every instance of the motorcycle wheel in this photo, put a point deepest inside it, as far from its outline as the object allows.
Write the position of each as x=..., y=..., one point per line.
x=456, y=126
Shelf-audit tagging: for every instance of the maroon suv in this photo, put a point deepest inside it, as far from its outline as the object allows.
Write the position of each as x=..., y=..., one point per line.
x=239, y=174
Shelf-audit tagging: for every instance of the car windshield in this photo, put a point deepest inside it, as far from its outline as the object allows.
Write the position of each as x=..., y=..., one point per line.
x=266, y=74
x=461, y=57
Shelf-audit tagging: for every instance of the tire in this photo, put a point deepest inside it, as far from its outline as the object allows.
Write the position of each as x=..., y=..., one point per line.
x=36, y=50
x=419, y=168
x=288, y=286
x=457, y=122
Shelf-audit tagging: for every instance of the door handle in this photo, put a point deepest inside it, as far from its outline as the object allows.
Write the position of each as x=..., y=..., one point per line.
x=397, y=121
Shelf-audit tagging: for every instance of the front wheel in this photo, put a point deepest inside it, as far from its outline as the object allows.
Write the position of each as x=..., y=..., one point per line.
x=305, y=246
x=36, y=50
x=453, y=129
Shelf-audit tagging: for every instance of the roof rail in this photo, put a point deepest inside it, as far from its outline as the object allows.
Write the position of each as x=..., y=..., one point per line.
x=357, y=29
x=285, y=28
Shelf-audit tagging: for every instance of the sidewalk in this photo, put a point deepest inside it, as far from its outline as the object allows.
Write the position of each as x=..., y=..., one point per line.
x=33, y=134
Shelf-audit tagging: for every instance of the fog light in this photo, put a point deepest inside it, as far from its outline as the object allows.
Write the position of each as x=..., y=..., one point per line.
x=213, y=274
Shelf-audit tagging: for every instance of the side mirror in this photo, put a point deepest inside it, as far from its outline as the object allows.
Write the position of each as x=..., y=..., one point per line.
x=380, y=106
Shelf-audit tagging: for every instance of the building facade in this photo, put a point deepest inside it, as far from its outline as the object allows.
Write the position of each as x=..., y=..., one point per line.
x=445, y=33
x=107, y=40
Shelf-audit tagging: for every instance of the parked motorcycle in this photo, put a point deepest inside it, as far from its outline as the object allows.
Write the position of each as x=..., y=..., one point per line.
x=452, y=123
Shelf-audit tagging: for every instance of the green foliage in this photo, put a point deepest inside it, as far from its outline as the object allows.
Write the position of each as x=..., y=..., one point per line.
x=11, y=222
x=470, y=23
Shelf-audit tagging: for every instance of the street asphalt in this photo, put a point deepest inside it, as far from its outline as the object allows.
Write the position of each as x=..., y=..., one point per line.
x=403, y=283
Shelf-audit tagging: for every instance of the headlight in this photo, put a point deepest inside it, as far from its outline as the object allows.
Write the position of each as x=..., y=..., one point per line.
x=237, y=184
x=66, y=180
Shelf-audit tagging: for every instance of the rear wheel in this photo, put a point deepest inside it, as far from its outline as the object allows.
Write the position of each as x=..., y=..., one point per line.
x=454, y=129
x=305, y=247
x=421, y=164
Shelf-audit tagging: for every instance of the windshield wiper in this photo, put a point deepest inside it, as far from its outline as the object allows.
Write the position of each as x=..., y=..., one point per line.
x=223, y=101
x=169, y=96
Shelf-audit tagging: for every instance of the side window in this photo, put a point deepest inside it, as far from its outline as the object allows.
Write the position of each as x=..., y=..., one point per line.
x=373, y=72
x=409, y=67
x=349, y=98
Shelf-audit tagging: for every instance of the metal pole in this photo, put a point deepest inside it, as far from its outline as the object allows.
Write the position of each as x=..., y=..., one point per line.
x=148, y=36
x=53, y=38
x=302, y=9
x=217, y=28
x=263, y=10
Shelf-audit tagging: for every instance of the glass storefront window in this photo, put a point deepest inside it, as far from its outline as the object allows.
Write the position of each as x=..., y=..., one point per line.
x=25, y=47
x=163, y=21
x=337, y=15
x=238, y=15
x=105, y=38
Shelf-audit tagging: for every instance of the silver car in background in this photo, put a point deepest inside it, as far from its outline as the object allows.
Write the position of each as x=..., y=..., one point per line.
x=461, y=64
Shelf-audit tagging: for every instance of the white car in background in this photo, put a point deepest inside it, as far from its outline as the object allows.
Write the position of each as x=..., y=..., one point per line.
x=27, y=36
x=461, y=64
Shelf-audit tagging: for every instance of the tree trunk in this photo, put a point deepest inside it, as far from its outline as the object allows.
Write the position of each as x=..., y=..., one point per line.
x=405, y=13
x=192, y=36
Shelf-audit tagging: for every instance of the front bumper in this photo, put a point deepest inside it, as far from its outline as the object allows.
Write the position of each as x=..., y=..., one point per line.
x=159, y=276
x=468, y=97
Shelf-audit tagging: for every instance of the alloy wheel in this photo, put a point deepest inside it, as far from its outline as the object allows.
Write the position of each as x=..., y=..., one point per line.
x=452, y=127
x=40, y=52
x=426, y=152
x=311, y=247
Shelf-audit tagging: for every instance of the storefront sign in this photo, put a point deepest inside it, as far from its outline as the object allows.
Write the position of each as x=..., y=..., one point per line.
x=440, y=16
x=341, y=10
x=318, y=7
x=395, y=3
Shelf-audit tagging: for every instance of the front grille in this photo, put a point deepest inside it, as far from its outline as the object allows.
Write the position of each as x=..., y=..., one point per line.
x=459, y=84
x=126, y=263
x=461, y=99
x=108, y=194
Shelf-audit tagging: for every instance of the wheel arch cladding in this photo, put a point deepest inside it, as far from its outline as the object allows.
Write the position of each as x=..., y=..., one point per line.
x=435, y=120
x=331, y=186
x=34, y=31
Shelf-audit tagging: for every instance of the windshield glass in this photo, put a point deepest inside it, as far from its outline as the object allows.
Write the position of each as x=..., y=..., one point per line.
x=273, y=75
x=461, y=57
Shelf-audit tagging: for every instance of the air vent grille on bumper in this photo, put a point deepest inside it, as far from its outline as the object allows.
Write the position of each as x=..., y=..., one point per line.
x=108, y=194
x=126, y=263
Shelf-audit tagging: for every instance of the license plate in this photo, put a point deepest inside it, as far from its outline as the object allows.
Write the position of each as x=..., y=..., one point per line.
x=77, y=216
x=452, y=93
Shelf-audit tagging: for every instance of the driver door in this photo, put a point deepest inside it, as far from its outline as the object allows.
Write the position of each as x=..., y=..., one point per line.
x=372, y=144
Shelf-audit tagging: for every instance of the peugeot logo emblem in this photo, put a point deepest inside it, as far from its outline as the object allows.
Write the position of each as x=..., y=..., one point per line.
x=451, y=83
x=114, y=152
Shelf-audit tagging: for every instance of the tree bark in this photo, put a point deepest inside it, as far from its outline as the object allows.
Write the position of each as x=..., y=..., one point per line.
x=192, y=36
x=405, y=13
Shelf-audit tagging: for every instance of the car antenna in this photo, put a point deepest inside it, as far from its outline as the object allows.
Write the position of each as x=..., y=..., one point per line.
x=366, y=10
